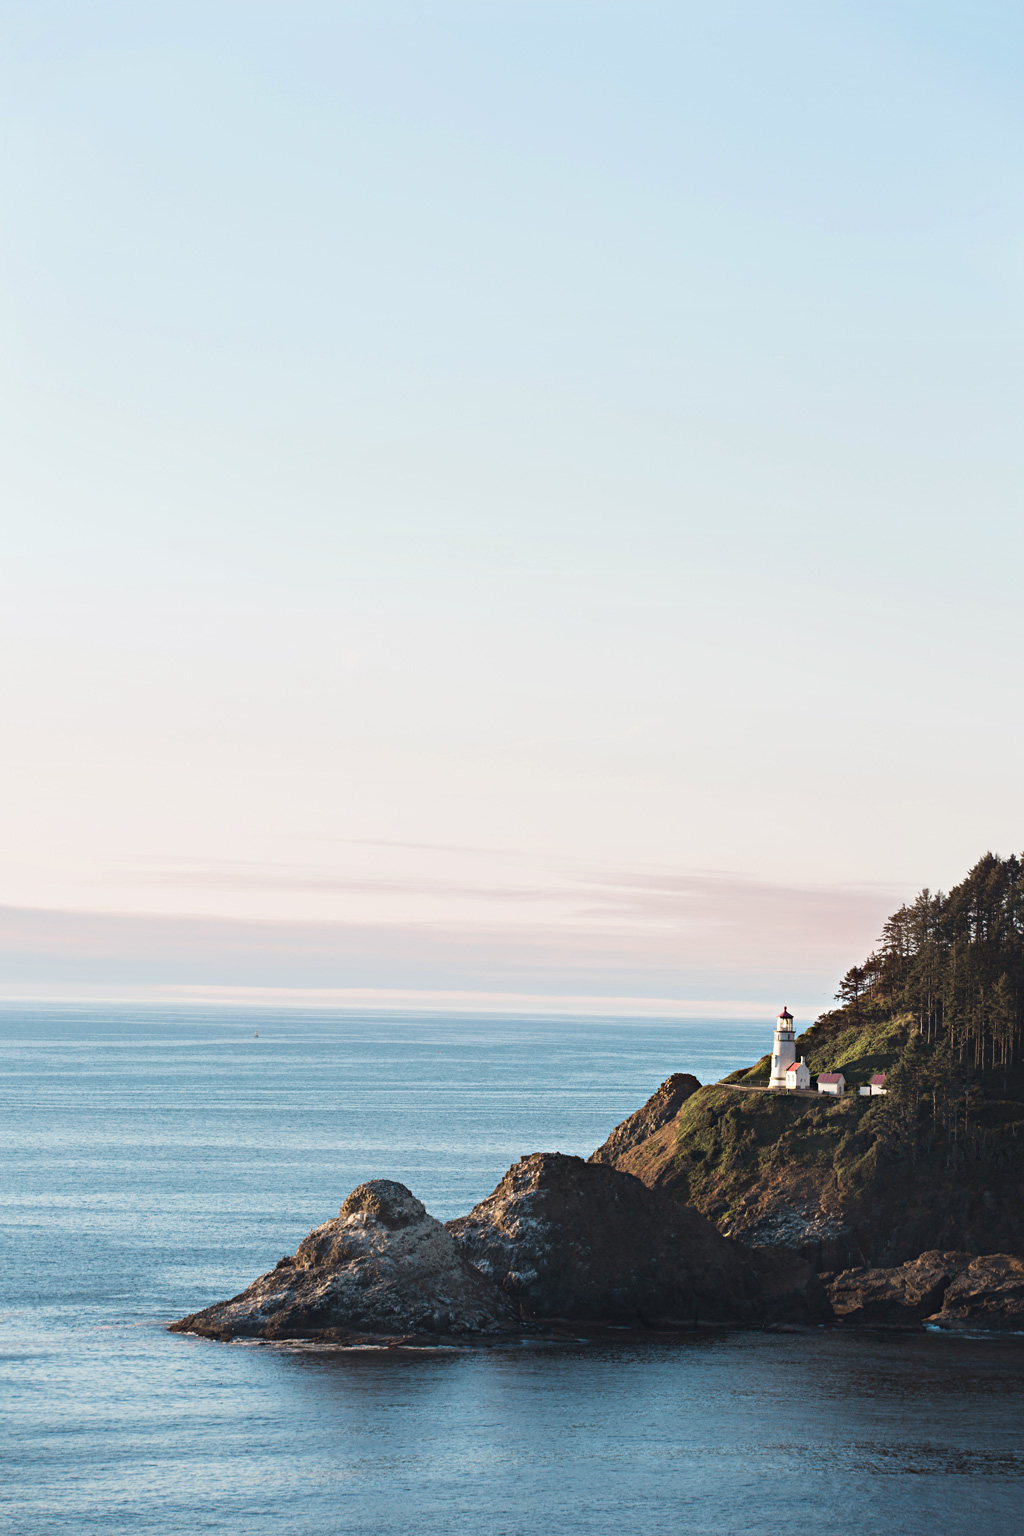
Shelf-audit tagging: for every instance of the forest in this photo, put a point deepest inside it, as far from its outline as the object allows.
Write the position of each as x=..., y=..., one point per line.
x=955, y=963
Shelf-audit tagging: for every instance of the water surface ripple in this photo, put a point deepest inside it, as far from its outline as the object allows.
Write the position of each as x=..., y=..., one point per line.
x=156, y=1160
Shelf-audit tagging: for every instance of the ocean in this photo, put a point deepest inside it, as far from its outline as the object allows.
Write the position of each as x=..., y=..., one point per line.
x=155, y=1160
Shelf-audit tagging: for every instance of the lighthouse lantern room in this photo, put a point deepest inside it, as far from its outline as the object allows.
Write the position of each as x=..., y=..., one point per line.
x=783, y=1049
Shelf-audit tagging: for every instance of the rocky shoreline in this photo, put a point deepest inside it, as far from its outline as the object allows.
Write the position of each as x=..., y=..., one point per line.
x=564, y=1247
x=944, y=1290
x=382, y=1269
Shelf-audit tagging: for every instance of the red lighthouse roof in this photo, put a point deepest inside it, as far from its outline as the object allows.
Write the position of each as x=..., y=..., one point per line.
x=785, y=1014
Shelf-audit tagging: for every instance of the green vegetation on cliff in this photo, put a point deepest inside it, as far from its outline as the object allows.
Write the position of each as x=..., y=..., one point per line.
x=854, y=1043
x=956, y=964
x=938, y=1161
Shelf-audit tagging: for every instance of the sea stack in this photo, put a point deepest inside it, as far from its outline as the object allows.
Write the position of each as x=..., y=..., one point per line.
x=568, y=1239
x=383, y=1270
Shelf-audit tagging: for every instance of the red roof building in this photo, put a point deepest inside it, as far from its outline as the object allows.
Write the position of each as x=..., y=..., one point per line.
x=831, y=1082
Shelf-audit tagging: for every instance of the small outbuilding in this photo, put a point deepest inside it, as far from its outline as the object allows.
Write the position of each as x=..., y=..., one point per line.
x=798, y=1074
x=831, y=1082
x=877, y=1084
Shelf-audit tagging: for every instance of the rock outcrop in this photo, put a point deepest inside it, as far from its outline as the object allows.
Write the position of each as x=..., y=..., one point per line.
x=791, y=1292
x=899, y=1297
x=565, y=1240
x=383, y=1269
x=660, y=1110
x=989, y=1293
x=581, y=1241
x=950, y=1289
x=936, y=1163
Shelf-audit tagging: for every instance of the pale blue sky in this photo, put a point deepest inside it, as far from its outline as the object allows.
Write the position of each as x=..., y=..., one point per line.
x=462, y=457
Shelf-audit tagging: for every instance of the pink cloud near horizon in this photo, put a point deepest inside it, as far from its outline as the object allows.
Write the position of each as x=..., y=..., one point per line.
x=619, y=933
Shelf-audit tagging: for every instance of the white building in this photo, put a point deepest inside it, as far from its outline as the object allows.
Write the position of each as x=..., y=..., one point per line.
x=798, y=1074
x=877, y=1084
x=831, y=1082
x=783, y=1049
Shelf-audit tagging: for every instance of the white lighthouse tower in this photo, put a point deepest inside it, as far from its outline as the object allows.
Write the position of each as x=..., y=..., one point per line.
x=783, y=1049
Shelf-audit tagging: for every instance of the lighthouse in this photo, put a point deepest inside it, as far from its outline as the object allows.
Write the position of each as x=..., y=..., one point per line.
x=783, y=1049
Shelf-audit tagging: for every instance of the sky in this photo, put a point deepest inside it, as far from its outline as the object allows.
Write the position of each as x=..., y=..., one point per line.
x=505, y=502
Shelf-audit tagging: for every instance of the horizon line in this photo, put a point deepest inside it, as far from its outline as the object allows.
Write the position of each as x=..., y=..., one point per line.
x=418, y=1000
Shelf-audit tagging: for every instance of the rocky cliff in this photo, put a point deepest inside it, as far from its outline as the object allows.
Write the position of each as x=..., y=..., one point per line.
x=660, y=1110
x=382, y=1270
x=574, y=1240
x=936, y=1164
x=949, y=1290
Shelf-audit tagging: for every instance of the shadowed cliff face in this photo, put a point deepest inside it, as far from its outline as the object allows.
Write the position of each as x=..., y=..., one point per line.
x=561, y=1239
x=558, y=1239
x=576, y=1240
x=382, y=1268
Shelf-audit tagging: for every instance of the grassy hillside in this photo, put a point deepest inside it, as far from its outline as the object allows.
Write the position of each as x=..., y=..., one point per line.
x=856, y=1044
x=936, y=1163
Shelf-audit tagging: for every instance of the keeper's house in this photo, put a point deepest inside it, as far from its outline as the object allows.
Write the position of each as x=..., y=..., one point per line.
x=831, y=1082
x=798, y=1074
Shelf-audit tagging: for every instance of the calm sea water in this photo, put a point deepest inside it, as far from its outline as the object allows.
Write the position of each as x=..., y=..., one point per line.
x=154, y=1161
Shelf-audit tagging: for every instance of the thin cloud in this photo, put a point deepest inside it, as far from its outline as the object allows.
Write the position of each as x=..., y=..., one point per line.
x=708, y=897
x=353, y=885
x=654, y=935
x=738, y=902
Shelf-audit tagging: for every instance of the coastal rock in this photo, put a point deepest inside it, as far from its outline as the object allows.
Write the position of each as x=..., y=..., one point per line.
x=900, y=1297
x=952, y=1290
x=795, y=1211
x=581, y=1241
x=989, y=1293
x=660, y=1110
x=382, y=1269
x=791, y=1292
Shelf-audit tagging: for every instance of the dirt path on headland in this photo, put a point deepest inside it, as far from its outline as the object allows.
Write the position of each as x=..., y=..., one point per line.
x=791, y=1093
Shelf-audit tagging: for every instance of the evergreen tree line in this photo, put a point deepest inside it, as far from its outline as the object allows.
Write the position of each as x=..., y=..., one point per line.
x=932, y=1098
x=956, y=963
